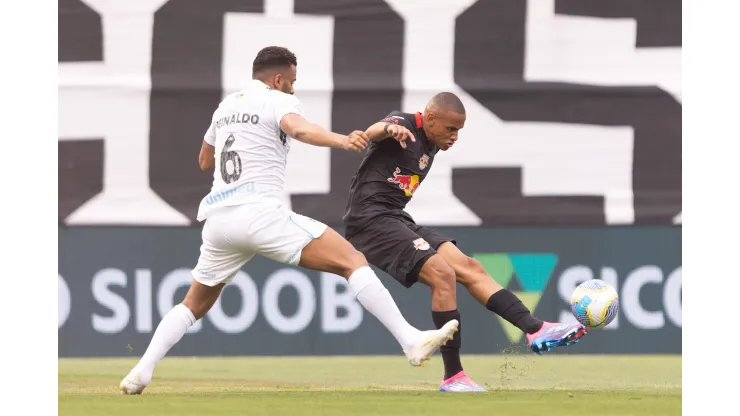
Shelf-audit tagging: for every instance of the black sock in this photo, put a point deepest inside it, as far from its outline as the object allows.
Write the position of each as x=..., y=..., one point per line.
x=451, y=351
x=508, y=306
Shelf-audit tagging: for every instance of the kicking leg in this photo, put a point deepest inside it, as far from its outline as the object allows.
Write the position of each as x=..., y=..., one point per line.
x=542, y=336
x=332, y=253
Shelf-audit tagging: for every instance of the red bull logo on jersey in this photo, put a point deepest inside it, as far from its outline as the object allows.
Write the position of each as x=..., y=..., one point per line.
x=421, y=244
x=408, y=183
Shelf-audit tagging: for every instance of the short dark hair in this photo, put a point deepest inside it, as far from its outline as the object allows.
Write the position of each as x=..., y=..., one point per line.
x=272, y=57
x=448, y=101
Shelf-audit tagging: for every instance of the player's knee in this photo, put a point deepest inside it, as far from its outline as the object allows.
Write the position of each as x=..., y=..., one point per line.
x=472, y=271
x=357, y=260
x=475, y=265
x=200, y=298
x=443, y=278
x=352, y=261
x=197, y=308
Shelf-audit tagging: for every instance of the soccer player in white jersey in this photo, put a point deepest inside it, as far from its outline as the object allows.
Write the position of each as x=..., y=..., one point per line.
x=247, y=145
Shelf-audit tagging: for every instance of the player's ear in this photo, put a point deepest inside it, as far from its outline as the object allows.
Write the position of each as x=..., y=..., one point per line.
x=429, y=117
x=278, y=81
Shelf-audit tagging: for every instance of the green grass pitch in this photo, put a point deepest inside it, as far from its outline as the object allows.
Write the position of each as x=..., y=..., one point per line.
x=519, y=384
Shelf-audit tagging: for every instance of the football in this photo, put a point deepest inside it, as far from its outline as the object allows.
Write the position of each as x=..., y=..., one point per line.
x=595, y=303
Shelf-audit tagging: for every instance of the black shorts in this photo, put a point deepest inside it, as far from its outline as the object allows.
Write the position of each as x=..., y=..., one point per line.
x=398, y=246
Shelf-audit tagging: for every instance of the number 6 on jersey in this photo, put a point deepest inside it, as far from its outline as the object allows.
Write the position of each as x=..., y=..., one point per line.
x=236, y=162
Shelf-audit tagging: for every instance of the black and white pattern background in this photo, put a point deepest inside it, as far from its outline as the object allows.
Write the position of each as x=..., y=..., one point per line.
x=574, y=106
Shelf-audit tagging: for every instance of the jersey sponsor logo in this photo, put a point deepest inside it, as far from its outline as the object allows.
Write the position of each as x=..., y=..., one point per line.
x=246, y=188
x=409, y=183
x=421, y=244
x=423, y=162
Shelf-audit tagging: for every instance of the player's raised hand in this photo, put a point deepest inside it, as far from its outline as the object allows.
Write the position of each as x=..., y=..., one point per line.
x=356, y=141
x=400, y=134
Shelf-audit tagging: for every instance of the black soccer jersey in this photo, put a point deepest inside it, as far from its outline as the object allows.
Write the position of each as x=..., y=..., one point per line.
x=389, y=175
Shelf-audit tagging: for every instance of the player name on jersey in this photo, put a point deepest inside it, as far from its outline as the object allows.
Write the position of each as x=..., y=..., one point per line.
x=237, y=118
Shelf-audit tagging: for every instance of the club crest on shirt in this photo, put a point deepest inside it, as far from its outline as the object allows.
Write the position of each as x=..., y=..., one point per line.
x=283, y=137
x=421, y=244
x=423, y=162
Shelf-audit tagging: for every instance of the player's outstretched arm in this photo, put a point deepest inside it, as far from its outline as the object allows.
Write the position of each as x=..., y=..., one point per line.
x=303, y=130
x=382, y=130
x=377, y=132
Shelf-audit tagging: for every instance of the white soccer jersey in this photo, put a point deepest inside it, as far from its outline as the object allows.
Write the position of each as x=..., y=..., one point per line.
x=251, y=150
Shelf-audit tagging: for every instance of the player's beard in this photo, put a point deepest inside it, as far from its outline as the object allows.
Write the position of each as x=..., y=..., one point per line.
x=285, y=88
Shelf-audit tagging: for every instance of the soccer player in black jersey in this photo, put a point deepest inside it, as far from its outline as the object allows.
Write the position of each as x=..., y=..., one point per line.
x=398, y=158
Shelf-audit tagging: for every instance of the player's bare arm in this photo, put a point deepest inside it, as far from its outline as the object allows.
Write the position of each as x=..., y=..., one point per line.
x=207, y=158
x=303, y=130
x=382, y=130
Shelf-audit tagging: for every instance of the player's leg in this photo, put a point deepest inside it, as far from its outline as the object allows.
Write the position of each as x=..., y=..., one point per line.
x=440, y=277
x=542, y=335
x=391, y=245
x=332, y=253
x=294, y=239
x=171, y=328
x=217, y=266
x=434, y=272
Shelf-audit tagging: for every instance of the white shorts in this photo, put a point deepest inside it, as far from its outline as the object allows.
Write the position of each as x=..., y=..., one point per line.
x=232, y=236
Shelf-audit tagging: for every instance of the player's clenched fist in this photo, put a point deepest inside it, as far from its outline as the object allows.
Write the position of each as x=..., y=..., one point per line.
x=356, y=141
x=399, y=133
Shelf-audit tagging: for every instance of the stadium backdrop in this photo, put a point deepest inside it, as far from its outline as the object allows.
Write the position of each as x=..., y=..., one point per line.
x=570, y=159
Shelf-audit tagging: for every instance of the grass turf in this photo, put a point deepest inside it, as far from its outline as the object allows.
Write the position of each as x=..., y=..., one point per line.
x=359, y=385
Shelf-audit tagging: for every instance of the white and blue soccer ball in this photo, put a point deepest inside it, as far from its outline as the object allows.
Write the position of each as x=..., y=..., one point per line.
x=595, y=303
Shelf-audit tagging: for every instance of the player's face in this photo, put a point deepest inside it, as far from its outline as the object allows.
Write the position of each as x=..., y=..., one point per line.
x=443, y=128
x=284, y=81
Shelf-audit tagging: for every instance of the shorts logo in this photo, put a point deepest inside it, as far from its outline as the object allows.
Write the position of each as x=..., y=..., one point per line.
x=206, y=274
x=423, y=161
x=421, y=244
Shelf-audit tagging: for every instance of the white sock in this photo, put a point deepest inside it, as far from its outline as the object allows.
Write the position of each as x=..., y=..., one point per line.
x=374, y=297
x=172, y=328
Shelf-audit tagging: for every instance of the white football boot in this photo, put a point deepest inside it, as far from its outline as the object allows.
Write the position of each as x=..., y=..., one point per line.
x=428, y=343
x=131, y=384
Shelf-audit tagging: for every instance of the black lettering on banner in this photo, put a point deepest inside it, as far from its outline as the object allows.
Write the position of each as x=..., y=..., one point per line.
x=489, y=65
x=80, y=161
x=236, y=162
x=367, y=70
x=186, y=88
x=80, y=33
x=80, y=173
x=658, y=21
